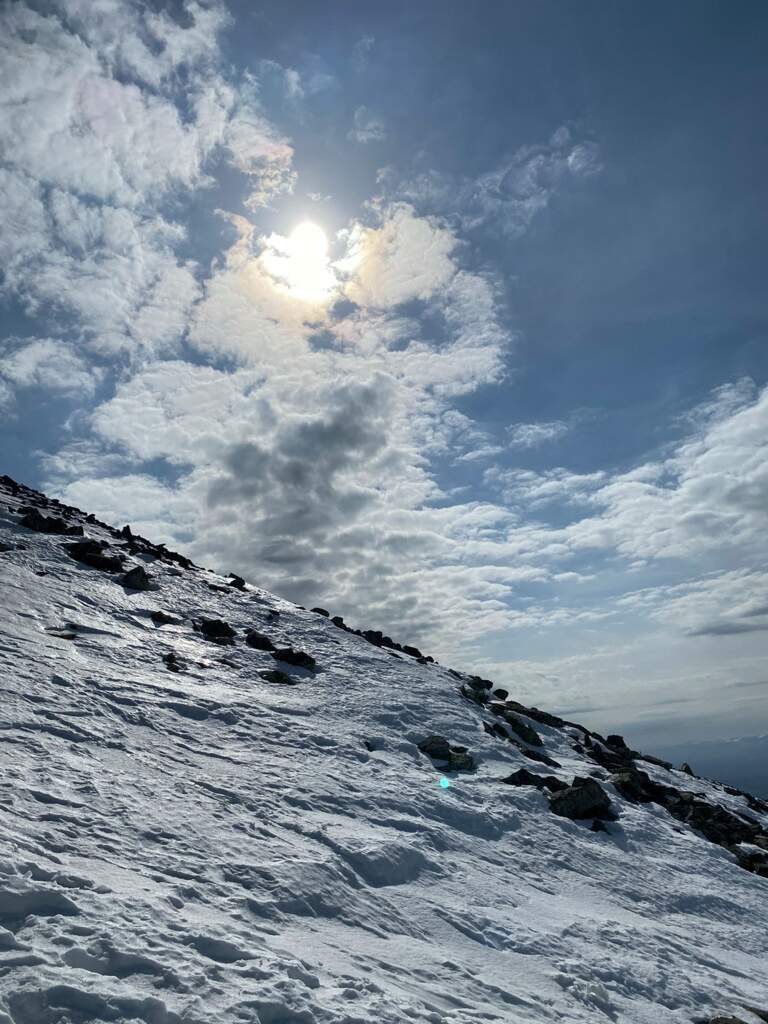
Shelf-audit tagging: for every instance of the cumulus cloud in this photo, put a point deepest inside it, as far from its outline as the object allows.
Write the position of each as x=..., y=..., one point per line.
x=46, y=363
x=104, y=111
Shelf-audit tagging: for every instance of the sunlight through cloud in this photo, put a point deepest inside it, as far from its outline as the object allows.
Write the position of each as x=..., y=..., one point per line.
x=300, y=264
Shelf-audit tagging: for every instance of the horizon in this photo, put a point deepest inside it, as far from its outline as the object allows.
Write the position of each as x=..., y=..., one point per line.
x=451, y=322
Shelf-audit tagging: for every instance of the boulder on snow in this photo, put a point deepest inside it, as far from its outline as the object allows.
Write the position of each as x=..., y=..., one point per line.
x=274, y=675
x=292, y=657
x=161, y=618
x=255, y=639
x=501, y=693
x=522, y=729
x=320, y=611
x=522, y=777
x=584, y=798
x=439, y=749
x=236, y=581
x=216, y=630
x=91, y=552
x=34, y=520
x=137, y=578
x=686, y=768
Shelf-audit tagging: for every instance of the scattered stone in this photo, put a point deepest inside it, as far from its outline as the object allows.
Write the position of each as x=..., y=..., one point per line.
x=537, y=755
x=436, y=747
x=597, y=826
x=5, y=547
x=255, y=639
x=461, y=761
x=34, y=520
x=685, y=767
x=91, y=552
x=126, y=532
x=275, y=675
x=320, y=611
x=585, y=798
x=337, y=620
x=413, y=651
x=137, y=579
x=172, y=662
x=216, y=630
x=501, y=693
x=161, y=618
x=526, y=732
x=292, y=657
x=236, y=581
x=522, y=777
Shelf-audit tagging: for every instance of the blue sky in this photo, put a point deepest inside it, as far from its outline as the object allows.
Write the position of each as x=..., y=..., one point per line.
x=505, y=398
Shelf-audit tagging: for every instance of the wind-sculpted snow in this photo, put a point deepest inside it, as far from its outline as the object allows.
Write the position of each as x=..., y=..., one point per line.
x=187, y=839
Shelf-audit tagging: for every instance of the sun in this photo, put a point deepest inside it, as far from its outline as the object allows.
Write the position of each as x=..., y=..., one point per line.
x=300, y=262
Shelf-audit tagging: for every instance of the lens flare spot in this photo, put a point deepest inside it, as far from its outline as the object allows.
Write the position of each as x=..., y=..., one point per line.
x=444, y=783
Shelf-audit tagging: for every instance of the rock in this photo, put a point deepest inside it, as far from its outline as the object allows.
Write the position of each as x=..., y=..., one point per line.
x=217, y=630
x=436, y=747
x=34, y=520
x=536, y=755
x=236, y=581
x=255, y=639
x=274, y=675
x=616, y=741
x=171, y=662
x=685, y=767
x=597, y=826
x=337, y=620
x=5, y=547
x=655, y=760
x=320, y=611
x=522, y=777
x=298, y=658
x=501, y=693
x=91, y=552
x=522, y=729
x=585, y=798
x=632, y=785
x=126, y=532
x=476, y=696
x=726, y=1020
x=413, y=651
x=137, y=579
x=461, y=761
x=161, y=618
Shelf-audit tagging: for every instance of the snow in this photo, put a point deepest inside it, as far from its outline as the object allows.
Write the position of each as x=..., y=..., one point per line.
x=206, y=846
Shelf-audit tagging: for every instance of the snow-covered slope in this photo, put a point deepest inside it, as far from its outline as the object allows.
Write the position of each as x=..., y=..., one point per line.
x=183, y=839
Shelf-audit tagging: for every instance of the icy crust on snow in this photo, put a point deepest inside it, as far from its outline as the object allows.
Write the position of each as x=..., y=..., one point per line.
x=206, y=846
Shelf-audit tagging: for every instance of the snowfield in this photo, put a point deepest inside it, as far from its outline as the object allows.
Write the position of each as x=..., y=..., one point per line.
x=184, y=840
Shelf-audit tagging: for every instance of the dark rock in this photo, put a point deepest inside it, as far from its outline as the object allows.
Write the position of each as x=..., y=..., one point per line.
x=501, y=693
x=655, y=760
x=597, y=826
x=373, y=636
x=476, y=696
x=478, y=683
x=216, y=630
x=585, y=798
x=522, y=729
x=126, y=532
x=413, y=651
x=632, y=786
x=436, y=747
x=320, y=611
x=34, y=520
x=461, y=761
x=255, y=639
x=617, y=742
x=161, y=618
x=91, y=552
x=537, y=755
x=137, y=578
x=236, y=581
x=274, y=675
x=686, y=768
x=172, y=662
x=337, y=620
x=522, y=777
x=292, y=657
x=5, y=547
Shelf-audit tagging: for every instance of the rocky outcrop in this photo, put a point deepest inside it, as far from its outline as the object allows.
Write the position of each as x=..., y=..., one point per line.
x=584, y=798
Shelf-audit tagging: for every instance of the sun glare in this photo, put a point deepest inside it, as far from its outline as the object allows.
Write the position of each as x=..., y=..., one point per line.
x=300, y=262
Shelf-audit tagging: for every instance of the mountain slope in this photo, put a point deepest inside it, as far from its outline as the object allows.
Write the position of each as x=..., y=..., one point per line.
x=194, y=830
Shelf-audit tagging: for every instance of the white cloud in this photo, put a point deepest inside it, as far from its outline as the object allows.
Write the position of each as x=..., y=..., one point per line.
x=367, y=127
x=46, y=363
x=407, y=257
x=530, y=435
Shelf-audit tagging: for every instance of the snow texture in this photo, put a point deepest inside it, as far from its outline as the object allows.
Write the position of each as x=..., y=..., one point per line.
x=186, y=841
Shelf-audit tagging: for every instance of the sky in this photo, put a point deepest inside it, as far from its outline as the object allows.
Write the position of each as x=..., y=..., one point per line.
x=449, y=318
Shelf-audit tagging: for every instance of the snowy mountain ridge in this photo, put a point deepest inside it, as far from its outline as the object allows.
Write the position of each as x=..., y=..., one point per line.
x=219, y=807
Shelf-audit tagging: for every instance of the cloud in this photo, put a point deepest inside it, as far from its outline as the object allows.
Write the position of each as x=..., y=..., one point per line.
x=405, y=258
x=48, y=364
x=506, y=198
x=367, y=127
x=105, y=113
x=530, y=435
